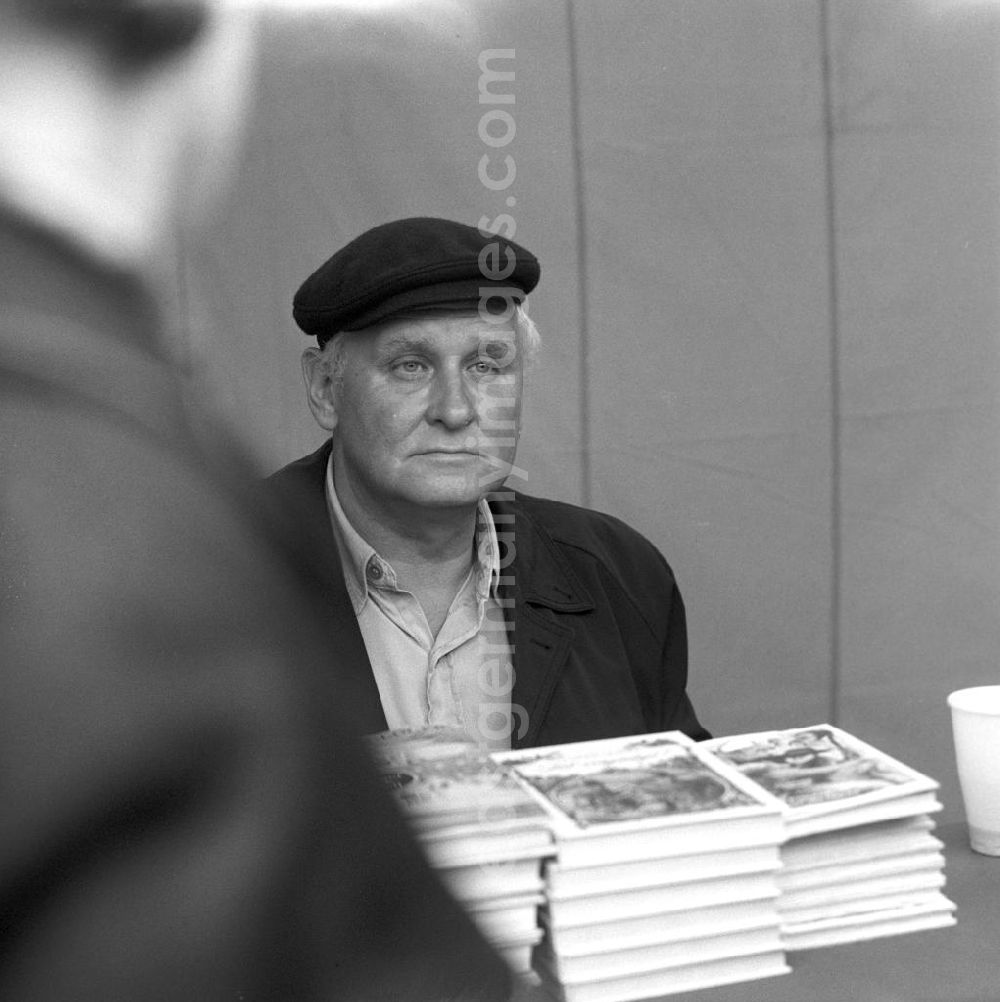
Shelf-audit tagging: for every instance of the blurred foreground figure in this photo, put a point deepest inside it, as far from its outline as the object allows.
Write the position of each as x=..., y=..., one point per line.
x=184, y=813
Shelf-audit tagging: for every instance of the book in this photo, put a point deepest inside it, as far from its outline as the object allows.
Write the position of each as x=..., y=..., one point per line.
x=619, y=963
x=563, y=912
x=518, y=955
x=828, y=779
x=478, y=846
x=485, y=881
x=933, y=911
x=483, y=833
x=508, y=920
x=897, y=893
x=643, y=797
x=793, y=880
x=565, y=882
x=665, y=927
x=861, y=843
x=690, y=977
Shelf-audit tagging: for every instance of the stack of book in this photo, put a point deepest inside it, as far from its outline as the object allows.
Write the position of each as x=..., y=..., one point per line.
x=634, y=867
x=486, y=836
x=666, y=871
x=860, y=859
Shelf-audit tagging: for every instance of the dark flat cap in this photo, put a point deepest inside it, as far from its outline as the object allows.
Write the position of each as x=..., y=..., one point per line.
x=411, y=264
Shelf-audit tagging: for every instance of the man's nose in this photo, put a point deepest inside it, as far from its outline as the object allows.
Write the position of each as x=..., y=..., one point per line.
x=452, y=401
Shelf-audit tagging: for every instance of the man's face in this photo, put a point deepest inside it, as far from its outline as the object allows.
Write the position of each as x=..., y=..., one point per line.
x=427, y=412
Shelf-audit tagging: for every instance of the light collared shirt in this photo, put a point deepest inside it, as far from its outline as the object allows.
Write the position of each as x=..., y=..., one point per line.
x=463, y=676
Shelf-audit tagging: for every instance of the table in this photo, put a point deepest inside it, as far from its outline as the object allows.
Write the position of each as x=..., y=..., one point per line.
x=958, y=964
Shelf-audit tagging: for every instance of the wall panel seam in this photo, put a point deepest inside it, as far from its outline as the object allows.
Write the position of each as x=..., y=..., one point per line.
x=833, y=285
x=583, y=301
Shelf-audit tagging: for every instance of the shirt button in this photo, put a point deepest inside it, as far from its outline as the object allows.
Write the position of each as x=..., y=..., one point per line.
x=374, y=571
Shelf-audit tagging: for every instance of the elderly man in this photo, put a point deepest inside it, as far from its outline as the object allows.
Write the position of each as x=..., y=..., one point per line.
x=525, y=621
x=186, y=812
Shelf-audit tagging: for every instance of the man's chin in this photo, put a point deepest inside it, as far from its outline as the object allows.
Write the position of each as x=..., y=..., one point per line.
x=468, y=498
x=461, y=489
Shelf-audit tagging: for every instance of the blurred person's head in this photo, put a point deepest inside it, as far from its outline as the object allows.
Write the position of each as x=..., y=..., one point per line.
x=118, y=117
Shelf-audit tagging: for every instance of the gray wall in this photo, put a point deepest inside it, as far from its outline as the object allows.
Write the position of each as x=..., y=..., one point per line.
x=769, y=236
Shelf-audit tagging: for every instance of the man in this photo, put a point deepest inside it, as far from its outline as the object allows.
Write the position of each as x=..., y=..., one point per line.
x=184, y=814
x=525, y=621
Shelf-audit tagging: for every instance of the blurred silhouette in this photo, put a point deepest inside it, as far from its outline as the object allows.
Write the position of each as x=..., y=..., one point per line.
x=186, y=814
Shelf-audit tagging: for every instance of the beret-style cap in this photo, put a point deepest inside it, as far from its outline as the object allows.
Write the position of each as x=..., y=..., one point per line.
x=411, y=264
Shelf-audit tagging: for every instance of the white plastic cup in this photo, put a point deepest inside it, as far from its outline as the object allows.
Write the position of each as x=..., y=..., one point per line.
x=975, y=722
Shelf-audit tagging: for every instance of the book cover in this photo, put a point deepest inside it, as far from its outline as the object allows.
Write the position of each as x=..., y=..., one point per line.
x=643, y=796
x=445, y=783
x=827, y=778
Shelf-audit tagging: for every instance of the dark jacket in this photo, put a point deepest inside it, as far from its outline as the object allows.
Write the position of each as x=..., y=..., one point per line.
x=185, y=816
x=598, y=627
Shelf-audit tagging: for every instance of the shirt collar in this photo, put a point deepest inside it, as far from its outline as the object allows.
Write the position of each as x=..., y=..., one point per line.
x=362, y=561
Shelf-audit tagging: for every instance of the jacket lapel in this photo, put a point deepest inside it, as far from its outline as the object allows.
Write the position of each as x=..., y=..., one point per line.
x=545, y=593
x=303, y=487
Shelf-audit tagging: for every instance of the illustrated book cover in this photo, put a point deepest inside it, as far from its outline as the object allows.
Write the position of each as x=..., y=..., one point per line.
x=828, y=778
x=644, y=796
x=445, y=782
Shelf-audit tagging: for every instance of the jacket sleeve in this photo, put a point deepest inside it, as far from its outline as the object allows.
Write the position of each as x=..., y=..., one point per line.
x=677, y=712
x=648, y=607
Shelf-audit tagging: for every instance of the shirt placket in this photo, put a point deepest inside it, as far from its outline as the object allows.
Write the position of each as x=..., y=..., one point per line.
x=399, y=607
x=446, y=663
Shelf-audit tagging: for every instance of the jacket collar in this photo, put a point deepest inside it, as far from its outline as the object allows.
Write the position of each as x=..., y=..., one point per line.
x=542, y=576
x=545, y=595
x=305, y=481
x=302, y=497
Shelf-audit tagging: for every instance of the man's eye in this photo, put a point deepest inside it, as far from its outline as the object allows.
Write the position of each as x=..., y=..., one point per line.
x=408, y=367
x=484, y=366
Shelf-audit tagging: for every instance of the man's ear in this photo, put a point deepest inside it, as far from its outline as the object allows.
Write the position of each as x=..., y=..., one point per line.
x=321, y=388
